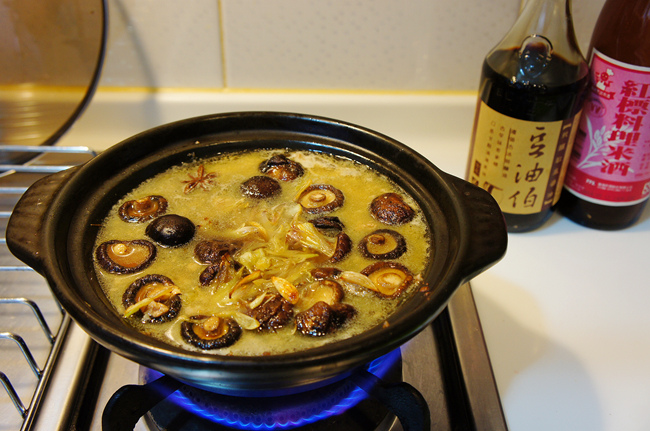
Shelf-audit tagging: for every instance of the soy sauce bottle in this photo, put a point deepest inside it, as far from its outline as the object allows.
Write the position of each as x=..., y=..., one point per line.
x=608, y=179
x=530, y=98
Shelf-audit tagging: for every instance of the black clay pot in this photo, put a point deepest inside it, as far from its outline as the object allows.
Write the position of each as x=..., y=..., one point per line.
x=54, y=225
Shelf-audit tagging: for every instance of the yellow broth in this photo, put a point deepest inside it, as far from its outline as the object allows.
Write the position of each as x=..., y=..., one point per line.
x=222, y=211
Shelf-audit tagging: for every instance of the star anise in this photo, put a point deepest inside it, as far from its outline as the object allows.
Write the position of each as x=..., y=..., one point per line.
x=202, y=179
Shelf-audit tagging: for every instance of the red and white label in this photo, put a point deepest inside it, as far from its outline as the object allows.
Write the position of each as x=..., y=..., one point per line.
x=610, y=163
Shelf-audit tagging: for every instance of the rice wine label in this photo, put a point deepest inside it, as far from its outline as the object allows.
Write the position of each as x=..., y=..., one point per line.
x=610, y=164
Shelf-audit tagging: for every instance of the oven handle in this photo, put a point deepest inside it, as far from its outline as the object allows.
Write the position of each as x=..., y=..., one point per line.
x=25, y=226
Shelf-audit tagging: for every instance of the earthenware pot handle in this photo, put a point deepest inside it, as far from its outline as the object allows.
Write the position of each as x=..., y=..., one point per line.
x=487, y=237
x=25, y=227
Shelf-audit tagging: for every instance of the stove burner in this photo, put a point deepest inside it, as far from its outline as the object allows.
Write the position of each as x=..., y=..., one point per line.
x=361, y=401
x=277, y=413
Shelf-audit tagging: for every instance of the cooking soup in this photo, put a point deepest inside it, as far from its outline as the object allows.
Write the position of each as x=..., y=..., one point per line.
x=262, y=252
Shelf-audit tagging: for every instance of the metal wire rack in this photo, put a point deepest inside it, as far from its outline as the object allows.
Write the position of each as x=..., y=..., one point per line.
x=33, y=325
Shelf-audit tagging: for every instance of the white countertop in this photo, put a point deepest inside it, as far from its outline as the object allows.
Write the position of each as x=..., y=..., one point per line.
x=564, y=313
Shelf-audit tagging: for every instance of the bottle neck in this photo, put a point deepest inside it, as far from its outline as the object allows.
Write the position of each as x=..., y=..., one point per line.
x=544, y=20
x=623, y=31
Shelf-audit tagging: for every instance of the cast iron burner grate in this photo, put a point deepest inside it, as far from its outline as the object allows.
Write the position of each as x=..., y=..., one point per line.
x=366, y=400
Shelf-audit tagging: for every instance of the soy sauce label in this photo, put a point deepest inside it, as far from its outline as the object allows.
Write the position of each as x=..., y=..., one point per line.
x=610, y=164
x=520, y=163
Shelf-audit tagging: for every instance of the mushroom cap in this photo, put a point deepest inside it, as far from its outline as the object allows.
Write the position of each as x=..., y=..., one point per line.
x=383, y=244
x=391, y=209
x=212, y=250
x=146, y=285
x=222, y=271
x=143, y=209
x=321, y=198
x=212, y=333
x=328, y=225
x=281, y=168
x=323, y=272
x=260, y=187
x=171, y=230
x=315, y=321
x=343, y=247
x=274, y=313
x=328, y=291
x=389, y=278
x=322, y=318
x=125, y=257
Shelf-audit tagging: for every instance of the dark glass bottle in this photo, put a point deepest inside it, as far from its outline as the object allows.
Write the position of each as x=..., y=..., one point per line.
x=530, y=96
x=608, y=179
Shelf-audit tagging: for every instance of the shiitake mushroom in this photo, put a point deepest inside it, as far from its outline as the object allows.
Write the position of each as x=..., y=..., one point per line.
x=222, y=271
x=341, y=314
x=315, y=321
x=166, y=301
x=321, y=198
x=383, y=244
x=125, y=257
x=328, y=291
x=389, y=278
x=281, y=168
x=391, y=209
x=330, y=226
x=323, y=310
x=171, y=230
x=322, y=273
x=343, y=247
x=212, y=250
x=213, y=332
x=322, y=319
x=274, y=313
x=143, y=209
x=260, y=187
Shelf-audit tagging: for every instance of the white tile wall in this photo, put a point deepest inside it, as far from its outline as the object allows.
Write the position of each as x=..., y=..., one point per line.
x=310, y=45
x=163, y=43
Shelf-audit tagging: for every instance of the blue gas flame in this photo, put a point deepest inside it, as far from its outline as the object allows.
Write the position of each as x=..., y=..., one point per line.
x=284, y=417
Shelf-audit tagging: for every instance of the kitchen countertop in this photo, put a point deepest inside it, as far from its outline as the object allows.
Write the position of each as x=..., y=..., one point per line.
x=564, y=314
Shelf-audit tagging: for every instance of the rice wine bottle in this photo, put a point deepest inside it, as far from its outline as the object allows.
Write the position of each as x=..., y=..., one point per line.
x=530, y=97
x=608, y=179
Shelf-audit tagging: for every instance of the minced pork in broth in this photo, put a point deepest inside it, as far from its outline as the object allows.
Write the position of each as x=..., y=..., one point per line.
x=219, y=210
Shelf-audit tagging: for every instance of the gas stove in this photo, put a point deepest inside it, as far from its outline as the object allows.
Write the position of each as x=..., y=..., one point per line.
x=440, y=380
